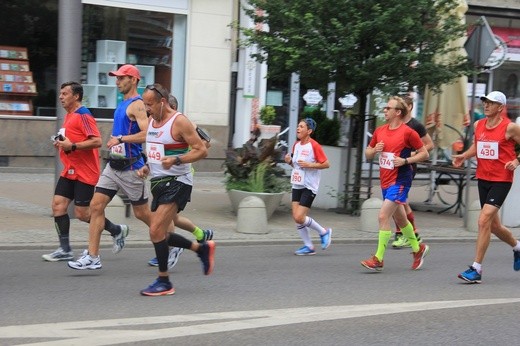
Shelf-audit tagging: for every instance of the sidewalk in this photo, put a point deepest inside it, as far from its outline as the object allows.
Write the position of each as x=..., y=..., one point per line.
x=26, y=221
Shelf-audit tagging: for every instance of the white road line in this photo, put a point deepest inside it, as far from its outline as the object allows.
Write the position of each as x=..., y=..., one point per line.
x=106, y=332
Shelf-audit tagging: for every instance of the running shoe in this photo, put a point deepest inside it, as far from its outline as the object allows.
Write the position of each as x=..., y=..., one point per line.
x=373, y=263
x=154, y=262
x=206, y=254
x=305, y=251
x=173, y=256
x=418, y=257
x=471, y=276
x=208, y=235
x=85, y=262
x=119, y=240
x=516, y=260
x=403, y=242
x=58, y=255
x=326, y=239
x=159, y=288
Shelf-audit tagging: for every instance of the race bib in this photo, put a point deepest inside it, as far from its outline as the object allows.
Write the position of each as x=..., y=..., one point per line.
x=118, y=150
x=487, y=150
x=386, y=160
x=297, y=176
x=155, y=152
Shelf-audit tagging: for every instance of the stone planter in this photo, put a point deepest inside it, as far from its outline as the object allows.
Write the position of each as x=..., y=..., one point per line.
x=268, y=131
x=271, y=200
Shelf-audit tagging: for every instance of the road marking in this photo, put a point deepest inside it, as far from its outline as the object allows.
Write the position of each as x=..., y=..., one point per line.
x=116, y=331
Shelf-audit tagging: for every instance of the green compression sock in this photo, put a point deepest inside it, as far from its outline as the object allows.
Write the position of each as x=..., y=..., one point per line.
x=384, y=237
x=409, y=233
x=198, y=233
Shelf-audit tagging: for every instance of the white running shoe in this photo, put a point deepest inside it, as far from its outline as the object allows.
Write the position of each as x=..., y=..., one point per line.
x=86, y=262
x=119, y=240
x=58, y=255
x=173, y=256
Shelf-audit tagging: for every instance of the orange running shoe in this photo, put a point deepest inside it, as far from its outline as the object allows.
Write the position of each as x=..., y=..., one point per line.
x=373, y=264
x=418, y=257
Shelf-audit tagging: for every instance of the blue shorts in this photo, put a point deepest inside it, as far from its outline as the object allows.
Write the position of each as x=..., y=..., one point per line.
x=396, y=193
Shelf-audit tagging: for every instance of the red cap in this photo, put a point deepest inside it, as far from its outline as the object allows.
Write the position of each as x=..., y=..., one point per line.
x=126, y=70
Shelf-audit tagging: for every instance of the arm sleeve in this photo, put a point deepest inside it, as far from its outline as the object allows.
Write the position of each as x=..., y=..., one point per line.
x=319, y=154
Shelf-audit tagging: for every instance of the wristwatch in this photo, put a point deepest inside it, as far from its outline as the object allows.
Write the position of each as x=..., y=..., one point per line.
x=177, y=160
x=73, y=147
x=120, y=139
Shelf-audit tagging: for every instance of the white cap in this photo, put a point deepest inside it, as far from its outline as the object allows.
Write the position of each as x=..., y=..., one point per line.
x=495, y=96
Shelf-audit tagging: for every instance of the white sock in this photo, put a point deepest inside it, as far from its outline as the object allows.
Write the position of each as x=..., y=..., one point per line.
x=517, y=246
x=304, y=234
x=309, y=222
x=477, y=266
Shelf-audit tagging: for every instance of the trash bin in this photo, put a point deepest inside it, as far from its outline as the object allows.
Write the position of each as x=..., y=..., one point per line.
x=369, y=214
x=473, y=214
x=252, y=216
x=115, y=210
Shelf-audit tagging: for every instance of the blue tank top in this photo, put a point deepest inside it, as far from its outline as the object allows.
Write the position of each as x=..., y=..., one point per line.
x=124, y=126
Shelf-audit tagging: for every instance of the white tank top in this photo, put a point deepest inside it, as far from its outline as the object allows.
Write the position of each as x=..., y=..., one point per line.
x=159, y=144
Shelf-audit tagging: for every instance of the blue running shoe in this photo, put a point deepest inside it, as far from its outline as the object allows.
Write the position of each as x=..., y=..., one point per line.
x=516, y=261
x=326, y=239
x=158, y=288
x=207, y=256
x=208, y=235
x=153, y=262
x=471, y=275
x=304, y=251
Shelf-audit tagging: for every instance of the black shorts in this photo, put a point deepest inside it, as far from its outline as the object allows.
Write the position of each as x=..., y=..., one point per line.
x=493, y=192
x=167, y=190
x=304, y=196
x=75, y=190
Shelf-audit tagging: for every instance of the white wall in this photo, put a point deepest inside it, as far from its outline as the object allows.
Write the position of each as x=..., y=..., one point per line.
x=208, y=66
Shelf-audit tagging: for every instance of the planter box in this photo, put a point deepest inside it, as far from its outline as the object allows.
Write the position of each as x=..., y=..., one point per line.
x=332, y=182
x=271, y=200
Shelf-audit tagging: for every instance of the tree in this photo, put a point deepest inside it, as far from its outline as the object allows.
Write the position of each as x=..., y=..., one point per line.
x=362, y=45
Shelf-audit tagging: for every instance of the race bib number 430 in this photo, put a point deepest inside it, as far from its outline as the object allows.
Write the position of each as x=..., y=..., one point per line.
x=386, y=160
x=487, y=150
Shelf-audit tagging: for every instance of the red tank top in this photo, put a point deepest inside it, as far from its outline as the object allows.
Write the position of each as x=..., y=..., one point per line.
x=493, y=151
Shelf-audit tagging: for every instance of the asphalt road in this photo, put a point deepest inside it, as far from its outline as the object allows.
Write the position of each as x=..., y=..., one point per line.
x=262, y=295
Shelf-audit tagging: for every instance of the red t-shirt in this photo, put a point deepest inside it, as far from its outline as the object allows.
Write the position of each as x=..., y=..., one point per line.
x=493, y=151
x=82, y=165
x=398, y=142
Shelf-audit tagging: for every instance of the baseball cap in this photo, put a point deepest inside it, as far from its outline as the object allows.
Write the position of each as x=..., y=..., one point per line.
x=126, y=70
x=495, y=96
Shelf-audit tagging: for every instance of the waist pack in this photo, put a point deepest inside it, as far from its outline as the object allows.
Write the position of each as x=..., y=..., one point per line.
x=122, y=164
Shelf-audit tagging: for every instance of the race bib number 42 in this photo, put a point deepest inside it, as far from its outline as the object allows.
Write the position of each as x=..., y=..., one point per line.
x=386, y=160
x=487, y=150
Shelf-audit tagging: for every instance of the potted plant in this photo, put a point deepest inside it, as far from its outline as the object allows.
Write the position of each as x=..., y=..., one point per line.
x=253, y=170
x=267, y=117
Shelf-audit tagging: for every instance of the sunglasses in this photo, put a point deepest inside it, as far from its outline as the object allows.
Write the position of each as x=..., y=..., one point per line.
x=153, y=87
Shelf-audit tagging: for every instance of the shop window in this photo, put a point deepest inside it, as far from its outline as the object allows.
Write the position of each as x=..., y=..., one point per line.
x=114, y=36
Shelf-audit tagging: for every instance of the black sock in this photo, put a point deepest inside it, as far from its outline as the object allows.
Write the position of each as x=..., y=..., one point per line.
x=178, y=241
x=161, y=252
x=112, y=228
x=62, y=225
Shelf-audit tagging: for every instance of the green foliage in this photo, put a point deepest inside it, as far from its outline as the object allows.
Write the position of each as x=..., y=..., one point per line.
x=327, y=130
x=254, y=169
x=267, y=115
x=359, y=44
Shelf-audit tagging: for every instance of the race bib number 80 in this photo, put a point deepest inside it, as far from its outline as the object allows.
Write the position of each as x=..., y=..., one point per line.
x=297, y=176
